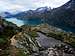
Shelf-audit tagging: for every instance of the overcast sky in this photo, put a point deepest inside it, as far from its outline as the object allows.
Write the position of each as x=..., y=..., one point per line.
x=23, y=5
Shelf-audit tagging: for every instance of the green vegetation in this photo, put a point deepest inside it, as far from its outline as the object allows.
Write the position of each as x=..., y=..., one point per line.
x=7, y=30
x=21, y=53
x=58, y=36
x=33, y=34
x=66, y=37
x=28, y=30
x=3, y=41
x=63, y=36
x=5, y=36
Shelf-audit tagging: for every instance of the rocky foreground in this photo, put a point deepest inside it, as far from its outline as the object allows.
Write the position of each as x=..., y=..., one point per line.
x=46, y=46
x=40, y=40
x=35, y=43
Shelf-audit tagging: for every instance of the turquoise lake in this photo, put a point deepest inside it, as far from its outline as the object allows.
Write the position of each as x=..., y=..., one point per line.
x=24, y=22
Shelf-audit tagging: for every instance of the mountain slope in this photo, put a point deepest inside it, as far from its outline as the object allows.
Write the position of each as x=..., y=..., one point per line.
x=64, y=16
x=6, y=14
x=32, y=14
x=7, y=30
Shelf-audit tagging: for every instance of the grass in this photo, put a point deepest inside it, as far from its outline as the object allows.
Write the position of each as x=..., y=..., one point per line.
x=65, y=37
x=33, y=34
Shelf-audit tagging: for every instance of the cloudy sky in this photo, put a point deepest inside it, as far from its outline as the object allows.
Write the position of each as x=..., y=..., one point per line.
x=23, y=5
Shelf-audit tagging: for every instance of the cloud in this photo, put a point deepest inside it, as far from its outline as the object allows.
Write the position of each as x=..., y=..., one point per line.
x=21, y=5
x=51, y=3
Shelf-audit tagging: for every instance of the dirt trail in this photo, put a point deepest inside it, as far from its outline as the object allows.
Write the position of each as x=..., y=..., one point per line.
x=13, y=40
x=13, y=50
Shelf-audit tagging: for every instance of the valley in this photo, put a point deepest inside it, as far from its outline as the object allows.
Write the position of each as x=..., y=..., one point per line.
x=40, y=32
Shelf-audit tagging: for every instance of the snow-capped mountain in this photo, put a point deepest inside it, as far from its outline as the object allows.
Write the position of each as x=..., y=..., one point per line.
x=42, y=9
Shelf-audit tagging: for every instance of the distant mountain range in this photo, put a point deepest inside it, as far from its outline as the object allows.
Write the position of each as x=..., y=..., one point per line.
x=32, y=14
x=26, y=14
x=6, y=14
x=62, y=17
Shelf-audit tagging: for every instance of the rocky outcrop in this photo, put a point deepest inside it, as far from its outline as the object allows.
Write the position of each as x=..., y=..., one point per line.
x=25, y=42
x=40, y=45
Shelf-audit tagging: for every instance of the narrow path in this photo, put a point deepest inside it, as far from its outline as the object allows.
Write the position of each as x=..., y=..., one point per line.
x=13, y=40
x=13, y=50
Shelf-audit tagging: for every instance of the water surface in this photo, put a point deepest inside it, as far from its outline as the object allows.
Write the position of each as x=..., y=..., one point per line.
x=15, y=21
x=19, y=22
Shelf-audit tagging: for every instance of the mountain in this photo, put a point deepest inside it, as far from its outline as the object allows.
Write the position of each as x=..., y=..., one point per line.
x=64, y=16
x=42, y=9
x=6, y=14
x=38, y=13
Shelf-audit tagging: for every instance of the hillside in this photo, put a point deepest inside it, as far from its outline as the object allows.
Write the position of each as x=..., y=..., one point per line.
x=34, y=40
x=43, y=40
x=7, y=30
x=64, y=16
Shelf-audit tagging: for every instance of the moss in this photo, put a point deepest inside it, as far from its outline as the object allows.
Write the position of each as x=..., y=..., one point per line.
x=63, y=36
x=33, y=34
x=22, y=53
x=3, y=40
